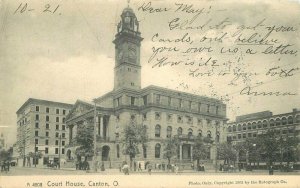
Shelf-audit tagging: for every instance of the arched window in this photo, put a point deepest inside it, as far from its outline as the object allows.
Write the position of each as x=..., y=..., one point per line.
x=229, y=129
x=259, y=125
x=157, y=151
x=200, y=133
x=190, y=132
x=239, y=127
x=233, y=128
x=272, y=123
x=265, y=124
x=290, y=120
x=169, y=132
x=283, y=121
x=144, y=151
x=208, y=134
x=249, y=126
x=179, y=131
x=157, y=130
x=244, y=127
x=118, y=151
x=278, y=122
x=254, y=125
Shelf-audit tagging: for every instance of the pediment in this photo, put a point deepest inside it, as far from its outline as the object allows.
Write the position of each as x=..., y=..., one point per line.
x=79, y=108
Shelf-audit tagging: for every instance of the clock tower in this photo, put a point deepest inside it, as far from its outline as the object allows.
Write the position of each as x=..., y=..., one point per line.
x=127, y=52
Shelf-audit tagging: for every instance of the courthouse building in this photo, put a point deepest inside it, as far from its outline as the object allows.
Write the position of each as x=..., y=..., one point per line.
x=164, y=112
x=41, y=128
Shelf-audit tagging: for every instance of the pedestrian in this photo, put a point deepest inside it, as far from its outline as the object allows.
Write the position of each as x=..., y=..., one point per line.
x=192, y=166
x=120, y=168
x=271, y=171
x=134, y=166
x=176, y=168
x=102, y=167
x=140, y=167
x=126, y=169
x=149, y=168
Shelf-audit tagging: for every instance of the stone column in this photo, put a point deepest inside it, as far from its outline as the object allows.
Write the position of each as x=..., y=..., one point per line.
x=180, y=152
x=101, y=126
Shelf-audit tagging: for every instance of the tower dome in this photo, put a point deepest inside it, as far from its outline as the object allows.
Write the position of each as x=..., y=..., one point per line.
x=128, y=21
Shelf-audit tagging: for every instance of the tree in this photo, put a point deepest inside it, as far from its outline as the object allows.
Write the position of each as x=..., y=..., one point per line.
x=133, y=136
x=269, y=145
x=226, y=152
x=171, y=148
x=288, y=147
x=85, y=140
x=35, y=156
x=200, y=150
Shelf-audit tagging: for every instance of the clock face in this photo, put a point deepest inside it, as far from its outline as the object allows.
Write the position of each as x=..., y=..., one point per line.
x=132, y=53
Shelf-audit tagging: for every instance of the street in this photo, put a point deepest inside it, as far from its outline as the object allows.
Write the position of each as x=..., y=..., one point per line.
x=27, y=171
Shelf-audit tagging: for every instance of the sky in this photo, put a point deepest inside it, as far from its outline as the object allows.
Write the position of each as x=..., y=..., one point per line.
x=63, y=51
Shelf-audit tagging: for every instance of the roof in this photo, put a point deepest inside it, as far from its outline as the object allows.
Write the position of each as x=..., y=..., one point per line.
x=41, y=101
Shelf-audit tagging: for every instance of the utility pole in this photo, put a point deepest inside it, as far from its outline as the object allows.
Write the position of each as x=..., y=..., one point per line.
x=59, y=148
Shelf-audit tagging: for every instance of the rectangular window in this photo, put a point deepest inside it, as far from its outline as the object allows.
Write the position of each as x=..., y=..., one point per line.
x=57, y=127
x=132, y=101
x=157, y=99
x=47, y=109
x=64, y=120
x=180, y=103
x=63, y=135
x=46, y=142
x=64, y=112
x=239, y=136
x=47, y=134
x=63, y=127
x=36, y=125
x=56, y=150
x=63, y=143
x=244, y=135
x=47, y=118
x=36, y=149
x=57, y=119
x=63, y=151
x=145, y=100
x=199, y=107
x=57, y=111
x=56, y=142
x=36, y=141
x=46, y=150
x=37, y=117
x=47, y=126
x=36, y=133
x=169, y=101
x=37, y=108
x=56, y=135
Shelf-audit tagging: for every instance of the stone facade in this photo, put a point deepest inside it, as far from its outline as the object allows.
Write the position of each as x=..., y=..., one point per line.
x=164, y=112
x=41, y=124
